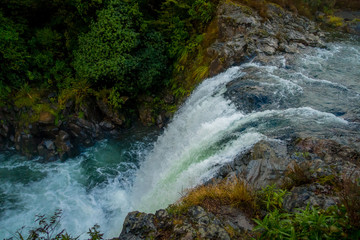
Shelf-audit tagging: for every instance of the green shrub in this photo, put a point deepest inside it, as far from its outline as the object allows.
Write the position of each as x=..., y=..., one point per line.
x=271, y=197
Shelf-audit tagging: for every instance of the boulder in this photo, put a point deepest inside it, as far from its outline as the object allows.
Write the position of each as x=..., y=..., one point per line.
x=46, y=118
x=47, y=150
x=243, y=33
x=138, y=226
x=26, y=144
x=64, y=147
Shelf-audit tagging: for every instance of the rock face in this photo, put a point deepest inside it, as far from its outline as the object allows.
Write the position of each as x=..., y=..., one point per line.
x=196, y=223
x=244, y=34
x=53, y=138
x=267, y=162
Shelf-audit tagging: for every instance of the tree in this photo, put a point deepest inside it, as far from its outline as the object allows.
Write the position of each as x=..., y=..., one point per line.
x=120, y=50
x=13, y=53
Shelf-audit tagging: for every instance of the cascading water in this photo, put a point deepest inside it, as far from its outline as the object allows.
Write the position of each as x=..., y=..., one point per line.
x=316, y=93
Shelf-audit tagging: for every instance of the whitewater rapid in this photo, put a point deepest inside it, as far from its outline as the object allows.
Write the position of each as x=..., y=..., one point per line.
x=316, y=93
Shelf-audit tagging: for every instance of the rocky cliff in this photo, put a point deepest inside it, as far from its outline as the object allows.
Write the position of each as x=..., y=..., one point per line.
x=307, y=167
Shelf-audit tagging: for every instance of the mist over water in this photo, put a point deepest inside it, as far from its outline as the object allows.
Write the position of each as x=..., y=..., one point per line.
x=316, y=93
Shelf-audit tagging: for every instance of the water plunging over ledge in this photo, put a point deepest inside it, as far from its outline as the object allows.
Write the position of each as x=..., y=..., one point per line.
x=316, y=93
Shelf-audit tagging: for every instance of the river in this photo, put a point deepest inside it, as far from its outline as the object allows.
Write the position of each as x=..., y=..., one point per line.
x=315, y=93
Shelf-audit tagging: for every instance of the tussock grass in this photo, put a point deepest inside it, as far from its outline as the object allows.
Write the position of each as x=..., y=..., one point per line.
x=235, y=193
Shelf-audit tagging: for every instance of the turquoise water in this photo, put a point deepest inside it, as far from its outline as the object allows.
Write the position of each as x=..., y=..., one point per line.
x=316, y=93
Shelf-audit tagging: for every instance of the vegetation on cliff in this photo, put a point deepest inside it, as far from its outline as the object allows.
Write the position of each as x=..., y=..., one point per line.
x=265, y=207
x=129, y=47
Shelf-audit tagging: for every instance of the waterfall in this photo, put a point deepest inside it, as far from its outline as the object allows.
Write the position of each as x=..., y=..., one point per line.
x=194, y=145
x=316, y=93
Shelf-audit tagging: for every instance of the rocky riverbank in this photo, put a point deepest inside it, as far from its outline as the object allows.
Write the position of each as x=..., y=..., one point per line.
x=56, y=133
x=309, y=167
x=239, y=33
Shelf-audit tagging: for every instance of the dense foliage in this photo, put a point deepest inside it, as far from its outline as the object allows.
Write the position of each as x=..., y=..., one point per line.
x=126, y=46
x=129, y=47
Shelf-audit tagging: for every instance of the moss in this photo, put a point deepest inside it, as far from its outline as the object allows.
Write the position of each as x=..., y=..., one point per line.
x=77, y=92
x=244, y=8
x=335, y=21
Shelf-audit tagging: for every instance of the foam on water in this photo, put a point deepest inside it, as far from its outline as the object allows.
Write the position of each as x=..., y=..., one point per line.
x=112, y=178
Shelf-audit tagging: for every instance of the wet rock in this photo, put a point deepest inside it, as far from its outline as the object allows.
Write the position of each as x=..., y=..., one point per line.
x=4, y=129
x=248, y=96
x=85, y=124
x=26, y=144
x=50, y=145
x=63, y=136
x=76, y=130
x=145, y=114
x=47, y=150
x=263, y=165
x=64, y=147
x=107, y=125
x=162, y=119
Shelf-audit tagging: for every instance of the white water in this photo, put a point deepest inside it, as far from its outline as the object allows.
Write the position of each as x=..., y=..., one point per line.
x=192, y=148
x=315, y=96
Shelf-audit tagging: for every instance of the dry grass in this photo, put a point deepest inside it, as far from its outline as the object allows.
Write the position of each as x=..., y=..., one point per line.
x=212, y=197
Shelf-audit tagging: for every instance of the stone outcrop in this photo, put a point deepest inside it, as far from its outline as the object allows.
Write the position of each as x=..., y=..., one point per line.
x=59, y=134
x=195, y=223
x=267, y=162
x=52, y=138
x=244, y=34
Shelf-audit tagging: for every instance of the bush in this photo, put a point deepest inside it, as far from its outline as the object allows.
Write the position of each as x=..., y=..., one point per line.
x=105, y=52
x=271, y=197
x=48, y=229
x=119, y=50
x=13, y=54
x=310, y=223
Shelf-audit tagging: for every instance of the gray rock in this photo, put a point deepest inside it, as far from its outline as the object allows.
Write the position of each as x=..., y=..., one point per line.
x=301, y=197
x=242, y=33
x=107, y=125
x=137, y=226
x=49, y=144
